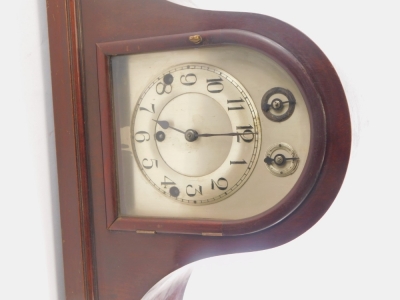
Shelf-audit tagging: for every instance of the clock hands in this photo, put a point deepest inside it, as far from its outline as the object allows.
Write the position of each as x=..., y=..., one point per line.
x=276, y=104
x=279, y=159
x=191, y=135
x=225, y=134
x=165, y=125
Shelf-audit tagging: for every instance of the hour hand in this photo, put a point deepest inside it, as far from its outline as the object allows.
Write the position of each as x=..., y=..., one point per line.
x=165, y=125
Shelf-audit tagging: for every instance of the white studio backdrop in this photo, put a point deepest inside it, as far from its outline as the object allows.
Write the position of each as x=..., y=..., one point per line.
x=352, y=253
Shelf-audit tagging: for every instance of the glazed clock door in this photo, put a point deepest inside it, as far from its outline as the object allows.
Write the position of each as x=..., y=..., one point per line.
x=214, y=140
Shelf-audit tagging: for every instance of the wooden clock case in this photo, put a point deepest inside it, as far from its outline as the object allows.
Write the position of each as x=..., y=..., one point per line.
x=104, y=258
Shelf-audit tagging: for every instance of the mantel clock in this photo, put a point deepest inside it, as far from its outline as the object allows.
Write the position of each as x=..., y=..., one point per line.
x=184, y=134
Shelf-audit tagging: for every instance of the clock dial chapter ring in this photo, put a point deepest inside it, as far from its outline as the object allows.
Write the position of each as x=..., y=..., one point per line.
x=200, y=130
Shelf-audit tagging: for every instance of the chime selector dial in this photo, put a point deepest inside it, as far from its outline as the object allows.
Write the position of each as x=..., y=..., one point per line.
x=281, y=160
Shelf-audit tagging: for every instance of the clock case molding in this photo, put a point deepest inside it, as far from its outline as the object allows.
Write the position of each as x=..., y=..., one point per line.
x=104, y=257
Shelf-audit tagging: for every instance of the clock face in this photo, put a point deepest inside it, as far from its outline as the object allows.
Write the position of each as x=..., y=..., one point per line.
x=217, y=133
x=196, y=134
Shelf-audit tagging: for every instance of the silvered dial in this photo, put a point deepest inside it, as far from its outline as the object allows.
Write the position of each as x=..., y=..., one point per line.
x=196, y=134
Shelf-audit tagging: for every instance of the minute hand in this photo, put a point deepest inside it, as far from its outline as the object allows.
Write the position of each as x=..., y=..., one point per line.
x=224, y=134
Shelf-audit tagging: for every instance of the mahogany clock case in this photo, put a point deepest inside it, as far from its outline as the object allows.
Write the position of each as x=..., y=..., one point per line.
x=106, y=262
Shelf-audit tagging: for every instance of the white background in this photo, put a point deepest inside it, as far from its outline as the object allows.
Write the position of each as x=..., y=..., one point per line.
x=352, y=253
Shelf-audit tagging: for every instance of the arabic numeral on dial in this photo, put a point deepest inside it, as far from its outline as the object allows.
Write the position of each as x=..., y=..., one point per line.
x=162, y=88
x=247, y=135
x=142, y=136
x=167, y=181
x=147, y=165
x=215, y=85
x=221, y=184
x=193, y=192
x=188, y=79
x=166, y=85
x=235, y=102
x=146, y=109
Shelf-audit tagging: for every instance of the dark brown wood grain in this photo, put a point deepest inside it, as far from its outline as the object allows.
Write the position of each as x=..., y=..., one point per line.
x=113, y=264
x=67, y=84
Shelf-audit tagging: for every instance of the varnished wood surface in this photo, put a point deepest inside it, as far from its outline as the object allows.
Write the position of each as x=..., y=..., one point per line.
x=104, y=264
x=71, y=152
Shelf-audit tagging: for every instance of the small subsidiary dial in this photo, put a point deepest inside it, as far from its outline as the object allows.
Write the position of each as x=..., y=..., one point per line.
x=278, y=104
x=281, y=160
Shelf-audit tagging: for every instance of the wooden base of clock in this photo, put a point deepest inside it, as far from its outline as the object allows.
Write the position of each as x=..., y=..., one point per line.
x=105, y=262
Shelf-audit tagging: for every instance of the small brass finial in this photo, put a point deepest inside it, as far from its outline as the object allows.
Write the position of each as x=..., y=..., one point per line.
x=196, y=39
